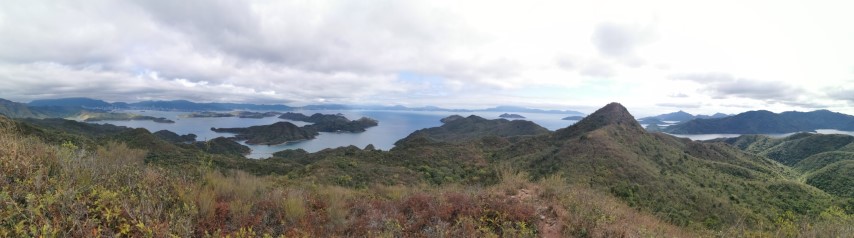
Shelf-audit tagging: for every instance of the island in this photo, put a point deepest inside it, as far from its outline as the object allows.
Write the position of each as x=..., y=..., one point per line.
x=240, y=114
x=277, y=133
x=114, y=116
x=573, y=118
x=283, y=132
x=511, y=116
x=331, y=122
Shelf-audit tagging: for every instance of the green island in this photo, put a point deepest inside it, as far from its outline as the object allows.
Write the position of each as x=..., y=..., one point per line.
x=331, y=122
x=604, y=176
x=283, y=132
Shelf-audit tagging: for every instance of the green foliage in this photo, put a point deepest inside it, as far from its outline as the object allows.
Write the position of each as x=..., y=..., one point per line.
x=821, y=159
x=277, y=133
x=836, y=178
x=457, y=129
x=605, y=177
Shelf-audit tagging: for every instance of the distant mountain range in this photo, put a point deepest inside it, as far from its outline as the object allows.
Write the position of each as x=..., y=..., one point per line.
x=679, y=116
x=764, y=122
x=184, y=105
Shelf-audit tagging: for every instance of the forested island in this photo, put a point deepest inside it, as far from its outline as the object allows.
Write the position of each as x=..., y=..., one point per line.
x=283, y=132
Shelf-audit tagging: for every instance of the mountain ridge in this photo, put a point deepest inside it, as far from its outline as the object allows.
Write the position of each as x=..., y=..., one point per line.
x=766, y=122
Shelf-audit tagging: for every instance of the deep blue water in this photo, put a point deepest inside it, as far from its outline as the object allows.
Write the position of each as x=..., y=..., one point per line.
x=393, y=126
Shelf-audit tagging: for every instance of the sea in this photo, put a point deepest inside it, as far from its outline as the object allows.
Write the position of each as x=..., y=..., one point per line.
x=393, y=126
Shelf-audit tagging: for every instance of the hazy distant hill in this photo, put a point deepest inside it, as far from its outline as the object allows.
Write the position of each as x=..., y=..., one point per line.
x=20, y=110
x=184, y=105
x=17, y=110
x=760, y=122
x=70, y=102
x=679, y=116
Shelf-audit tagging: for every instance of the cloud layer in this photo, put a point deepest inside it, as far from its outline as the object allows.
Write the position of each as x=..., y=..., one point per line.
x=556, y=54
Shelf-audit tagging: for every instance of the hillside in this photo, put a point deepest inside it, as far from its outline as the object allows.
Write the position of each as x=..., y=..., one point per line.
x=604, y=176
x=17, y=110
x=824, y=161
x=716, y=184
x=766, y=122
x=331, y=122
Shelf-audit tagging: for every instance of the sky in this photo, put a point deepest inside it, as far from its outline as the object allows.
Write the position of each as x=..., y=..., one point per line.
x=651, y=56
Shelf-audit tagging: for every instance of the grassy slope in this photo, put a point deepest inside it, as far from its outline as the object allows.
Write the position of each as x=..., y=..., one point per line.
x=684, y=182
x=51, y=190
x=824, y=161
x=680, y=182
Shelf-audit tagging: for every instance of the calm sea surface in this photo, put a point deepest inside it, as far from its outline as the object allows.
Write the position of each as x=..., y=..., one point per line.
x=393, y=126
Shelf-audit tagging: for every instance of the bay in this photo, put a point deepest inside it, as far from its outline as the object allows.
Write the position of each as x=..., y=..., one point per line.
x=393, y=126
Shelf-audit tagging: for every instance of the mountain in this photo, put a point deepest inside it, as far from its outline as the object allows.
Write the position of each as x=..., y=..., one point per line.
x=825, y=161
x=716, y=115
x=765, y=122
x=70, y=102
x=611, y=114
x=679, y=116
x=680, y=180
x=675, y=116
x=17, y=110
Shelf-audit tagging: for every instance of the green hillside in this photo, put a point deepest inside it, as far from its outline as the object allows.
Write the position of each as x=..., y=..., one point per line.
x=605, y=176
x=824, y=161
x=683, y=182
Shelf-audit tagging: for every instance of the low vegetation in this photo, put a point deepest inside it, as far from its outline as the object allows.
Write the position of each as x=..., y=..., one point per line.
x=603, y=177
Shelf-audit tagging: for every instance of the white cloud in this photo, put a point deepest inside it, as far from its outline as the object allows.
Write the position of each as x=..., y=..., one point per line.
x=785, y=54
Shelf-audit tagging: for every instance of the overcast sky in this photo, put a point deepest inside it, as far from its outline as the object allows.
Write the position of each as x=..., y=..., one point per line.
x=652, y=56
